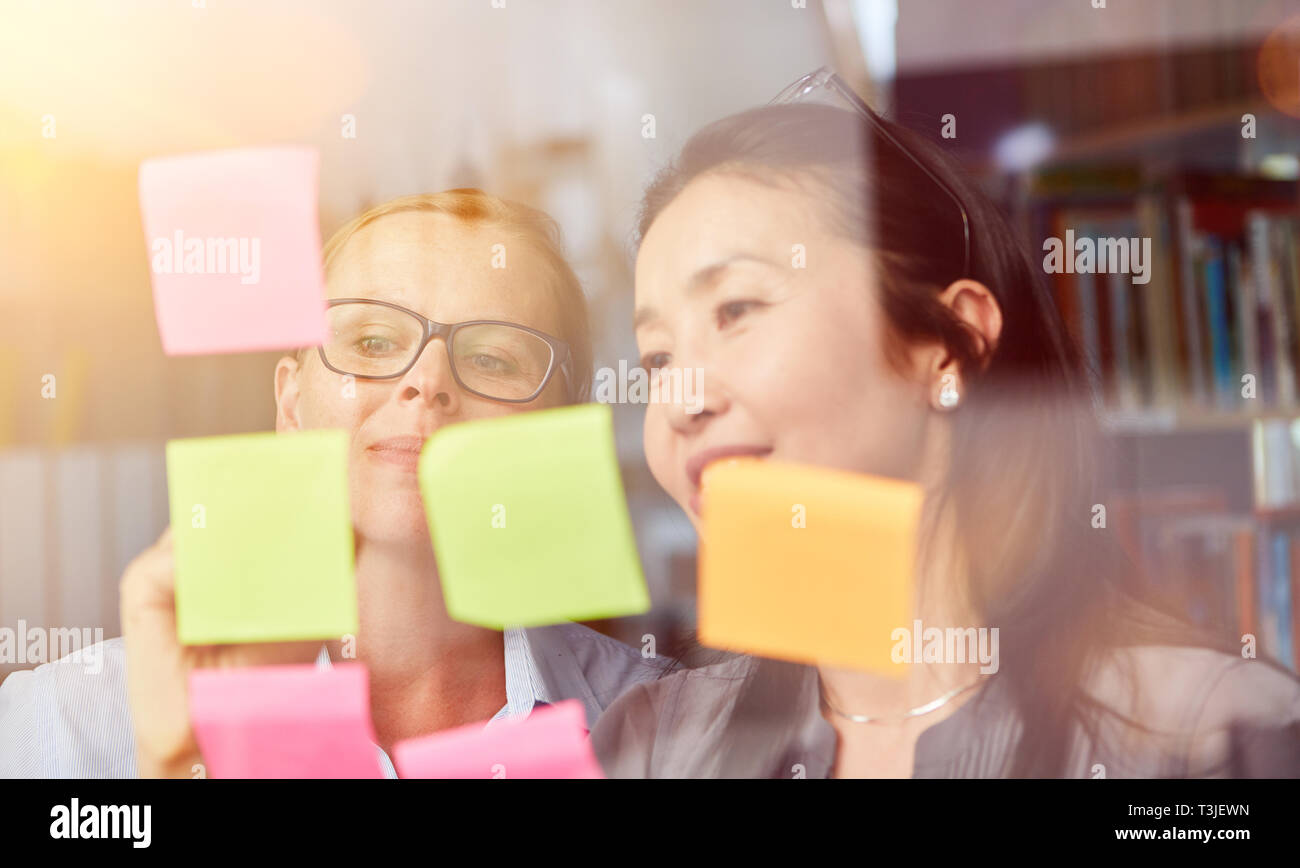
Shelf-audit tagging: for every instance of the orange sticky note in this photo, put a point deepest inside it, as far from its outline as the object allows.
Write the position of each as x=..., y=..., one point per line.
x=806, y=563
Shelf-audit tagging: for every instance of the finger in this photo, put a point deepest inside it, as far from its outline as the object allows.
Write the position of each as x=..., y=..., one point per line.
x=149, y=584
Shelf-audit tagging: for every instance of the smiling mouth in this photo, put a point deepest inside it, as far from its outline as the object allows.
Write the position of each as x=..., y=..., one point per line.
x=403, y=452
x=696, y=465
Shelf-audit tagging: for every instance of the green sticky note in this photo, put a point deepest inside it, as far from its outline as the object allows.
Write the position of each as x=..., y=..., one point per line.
x=528, y=519
x=262, y=535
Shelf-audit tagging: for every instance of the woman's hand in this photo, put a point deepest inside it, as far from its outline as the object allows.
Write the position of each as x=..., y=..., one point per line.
x=158, y=666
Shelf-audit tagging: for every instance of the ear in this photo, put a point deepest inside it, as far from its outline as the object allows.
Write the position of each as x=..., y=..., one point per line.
x=287, y=394
x=975, y=306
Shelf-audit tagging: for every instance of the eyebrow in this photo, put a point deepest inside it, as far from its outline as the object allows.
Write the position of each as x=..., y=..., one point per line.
x=703, y=280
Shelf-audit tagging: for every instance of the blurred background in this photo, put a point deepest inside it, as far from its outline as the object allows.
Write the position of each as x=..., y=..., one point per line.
x=1177, y=120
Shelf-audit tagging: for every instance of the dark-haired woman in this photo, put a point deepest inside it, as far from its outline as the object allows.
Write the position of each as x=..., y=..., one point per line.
x=854, y=302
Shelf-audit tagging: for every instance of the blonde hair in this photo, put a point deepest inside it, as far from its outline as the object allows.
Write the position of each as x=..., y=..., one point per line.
x=476, y=207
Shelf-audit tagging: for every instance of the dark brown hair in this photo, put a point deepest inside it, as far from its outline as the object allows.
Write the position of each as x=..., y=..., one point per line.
x=1020, y=483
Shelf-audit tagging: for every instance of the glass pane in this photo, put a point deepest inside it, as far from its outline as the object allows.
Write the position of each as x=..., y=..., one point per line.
x=371, y=340
x=501, y=361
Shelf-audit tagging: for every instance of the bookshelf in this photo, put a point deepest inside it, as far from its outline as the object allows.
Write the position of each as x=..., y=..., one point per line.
x=1196, y=371
x=1205, y=352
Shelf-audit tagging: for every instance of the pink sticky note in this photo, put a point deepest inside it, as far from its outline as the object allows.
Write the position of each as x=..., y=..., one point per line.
x=284, y=722
x=549, y=743
x=234, y=250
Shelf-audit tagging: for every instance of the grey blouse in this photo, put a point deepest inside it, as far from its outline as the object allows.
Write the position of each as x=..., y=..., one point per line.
x=1212, y=714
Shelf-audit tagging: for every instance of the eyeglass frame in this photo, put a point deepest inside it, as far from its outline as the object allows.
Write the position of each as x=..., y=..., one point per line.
x=827, y=77
x=561, y=357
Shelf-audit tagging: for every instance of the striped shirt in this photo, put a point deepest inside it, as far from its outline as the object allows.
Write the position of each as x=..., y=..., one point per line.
x=61, y=721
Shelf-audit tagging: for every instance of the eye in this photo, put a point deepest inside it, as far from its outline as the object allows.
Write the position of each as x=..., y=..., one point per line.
x=730, y=311
x=490, y=364
x=374, y=345
x=650, y=361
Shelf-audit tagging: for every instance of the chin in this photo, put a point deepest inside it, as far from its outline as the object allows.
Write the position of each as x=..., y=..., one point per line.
x=694, y=520
x=684, y=504
x=395, y=520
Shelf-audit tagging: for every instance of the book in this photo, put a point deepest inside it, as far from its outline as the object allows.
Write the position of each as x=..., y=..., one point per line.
x=1157, y=298
x=1275, y=465
x=1295, y=601
x=1275, y=600
x=1212, y=269
x=1274, y=308
x=1244, y=580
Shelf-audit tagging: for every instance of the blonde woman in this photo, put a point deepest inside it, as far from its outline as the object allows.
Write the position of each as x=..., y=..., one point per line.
x=434, y=336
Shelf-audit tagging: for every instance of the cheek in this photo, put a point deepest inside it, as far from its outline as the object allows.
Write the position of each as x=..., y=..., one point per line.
x=785, y=378
x=657, y=438
x=823, y=389
x=330, y=400
x=554, y=395
x=857, y=414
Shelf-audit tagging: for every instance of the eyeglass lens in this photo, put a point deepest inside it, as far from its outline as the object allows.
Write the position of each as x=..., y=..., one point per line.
x=499, y=361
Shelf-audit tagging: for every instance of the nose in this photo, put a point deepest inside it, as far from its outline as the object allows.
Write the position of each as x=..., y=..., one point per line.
x=702, y=399
x=430, y=381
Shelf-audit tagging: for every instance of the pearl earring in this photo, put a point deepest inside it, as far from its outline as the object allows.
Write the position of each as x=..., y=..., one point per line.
x=948, y=397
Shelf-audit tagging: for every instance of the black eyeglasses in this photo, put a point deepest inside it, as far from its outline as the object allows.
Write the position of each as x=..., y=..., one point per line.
x=501, y=361
x=827, y=87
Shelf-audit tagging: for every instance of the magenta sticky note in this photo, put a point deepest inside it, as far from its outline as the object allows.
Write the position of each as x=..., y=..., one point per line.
x=234, y=250
x=550, y=743
x=284, y=721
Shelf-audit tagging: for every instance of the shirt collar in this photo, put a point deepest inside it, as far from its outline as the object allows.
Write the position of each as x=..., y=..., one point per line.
x=525, y=686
